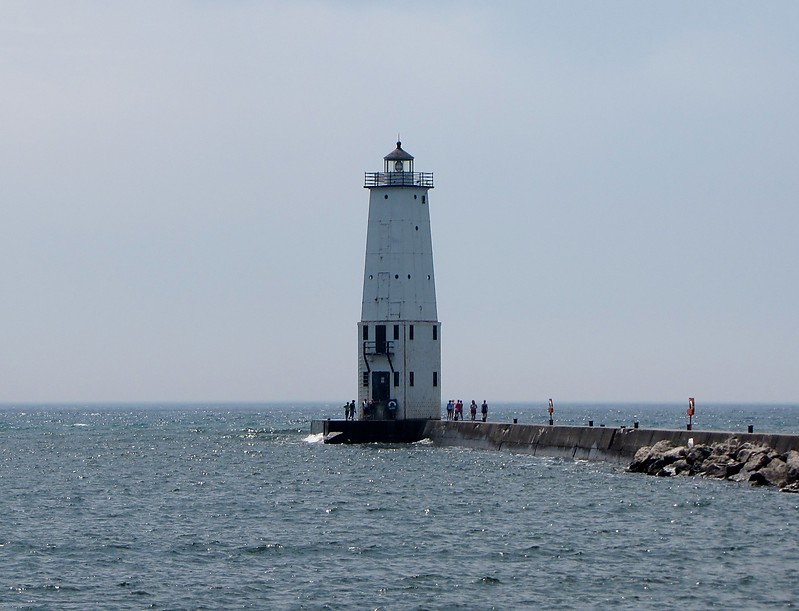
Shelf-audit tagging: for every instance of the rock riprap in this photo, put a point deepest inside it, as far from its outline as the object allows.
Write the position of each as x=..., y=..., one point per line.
x=732, y=460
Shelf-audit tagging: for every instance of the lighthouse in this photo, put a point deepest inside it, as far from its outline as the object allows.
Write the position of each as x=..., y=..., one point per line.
x=399, y=335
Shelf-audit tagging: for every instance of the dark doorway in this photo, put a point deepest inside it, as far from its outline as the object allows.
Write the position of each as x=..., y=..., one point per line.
x=380, y=339
x=380, y=385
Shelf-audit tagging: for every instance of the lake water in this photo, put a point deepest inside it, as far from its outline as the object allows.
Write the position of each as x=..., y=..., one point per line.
x=238, y=507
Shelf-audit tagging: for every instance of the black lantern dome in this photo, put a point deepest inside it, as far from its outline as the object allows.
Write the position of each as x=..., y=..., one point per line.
x=398, y=160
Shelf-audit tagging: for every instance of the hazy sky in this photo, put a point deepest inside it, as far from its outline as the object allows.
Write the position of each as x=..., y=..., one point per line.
x=614, y=218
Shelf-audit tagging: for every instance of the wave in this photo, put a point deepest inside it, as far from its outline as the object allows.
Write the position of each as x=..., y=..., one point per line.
x=314, y=438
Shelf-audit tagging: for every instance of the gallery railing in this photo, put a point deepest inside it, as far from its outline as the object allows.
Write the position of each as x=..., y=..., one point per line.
x=398, y=179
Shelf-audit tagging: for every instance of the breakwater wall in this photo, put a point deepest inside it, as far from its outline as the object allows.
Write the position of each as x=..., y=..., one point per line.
x=582, y=442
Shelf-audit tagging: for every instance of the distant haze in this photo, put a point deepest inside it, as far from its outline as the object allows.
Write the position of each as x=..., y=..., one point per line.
x=614, y=217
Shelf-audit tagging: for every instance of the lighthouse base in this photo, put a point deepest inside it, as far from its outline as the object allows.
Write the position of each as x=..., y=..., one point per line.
x=370, y=431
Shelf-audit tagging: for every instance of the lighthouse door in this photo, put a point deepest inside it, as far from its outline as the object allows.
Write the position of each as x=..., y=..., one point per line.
x=380, y=339
x=380, y=386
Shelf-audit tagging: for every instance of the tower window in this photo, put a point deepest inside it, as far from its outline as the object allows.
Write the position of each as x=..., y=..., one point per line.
x=435, y=332
x=435, y=378
x=386, y=196
x=424, y=199
x=396, y=276
x=396, y=379
x=396, y=331
x=410, y=378
x=365, y=332
x=410, y=332
x=365, y=379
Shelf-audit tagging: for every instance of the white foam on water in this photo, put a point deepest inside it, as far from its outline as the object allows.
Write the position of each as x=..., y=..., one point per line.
x=317, y=438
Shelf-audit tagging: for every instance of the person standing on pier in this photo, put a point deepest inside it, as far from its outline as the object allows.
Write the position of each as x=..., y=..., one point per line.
x=473, y=410
x=484, y=410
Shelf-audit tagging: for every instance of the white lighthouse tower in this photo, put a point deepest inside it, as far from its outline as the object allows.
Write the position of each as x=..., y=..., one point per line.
x=399, y=336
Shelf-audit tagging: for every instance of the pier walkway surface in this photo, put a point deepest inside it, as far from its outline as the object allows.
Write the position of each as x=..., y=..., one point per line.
x=583, y=442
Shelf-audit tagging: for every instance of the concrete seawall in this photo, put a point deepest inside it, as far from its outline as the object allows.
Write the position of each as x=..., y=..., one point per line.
x=617, y=445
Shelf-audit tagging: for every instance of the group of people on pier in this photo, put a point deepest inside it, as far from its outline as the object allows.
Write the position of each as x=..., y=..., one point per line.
x=367, y=410
x=455, y=410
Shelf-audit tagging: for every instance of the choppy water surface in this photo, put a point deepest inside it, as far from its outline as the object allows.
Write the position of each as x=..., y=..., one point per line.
x=230, y=507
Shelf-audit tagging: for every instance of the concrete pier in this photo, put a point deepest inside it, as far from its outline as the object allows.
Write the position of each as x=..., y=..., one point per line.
x=370, y=431
x=617, y=445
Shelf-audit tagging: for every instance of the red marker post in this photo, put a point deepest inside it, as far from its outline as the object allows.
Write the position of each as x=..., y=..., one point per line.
x=691, y=411
x=551, y=411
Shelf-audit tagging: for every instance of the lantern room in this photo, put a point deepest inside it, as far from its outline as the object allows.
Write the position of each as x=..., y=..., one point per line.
x=398, y=160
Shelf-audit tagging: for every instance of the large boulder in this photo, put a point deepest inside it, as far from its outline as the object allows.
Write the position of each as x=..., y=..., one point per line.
x=675, y=453
x=752, y=459
x=747, y=449
x=678, y=467
x=726, y=449
x=720, y=468
x=697, y=454
x=650, y=459
x=775, y=473
x=757, y=459
x=791, y=459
